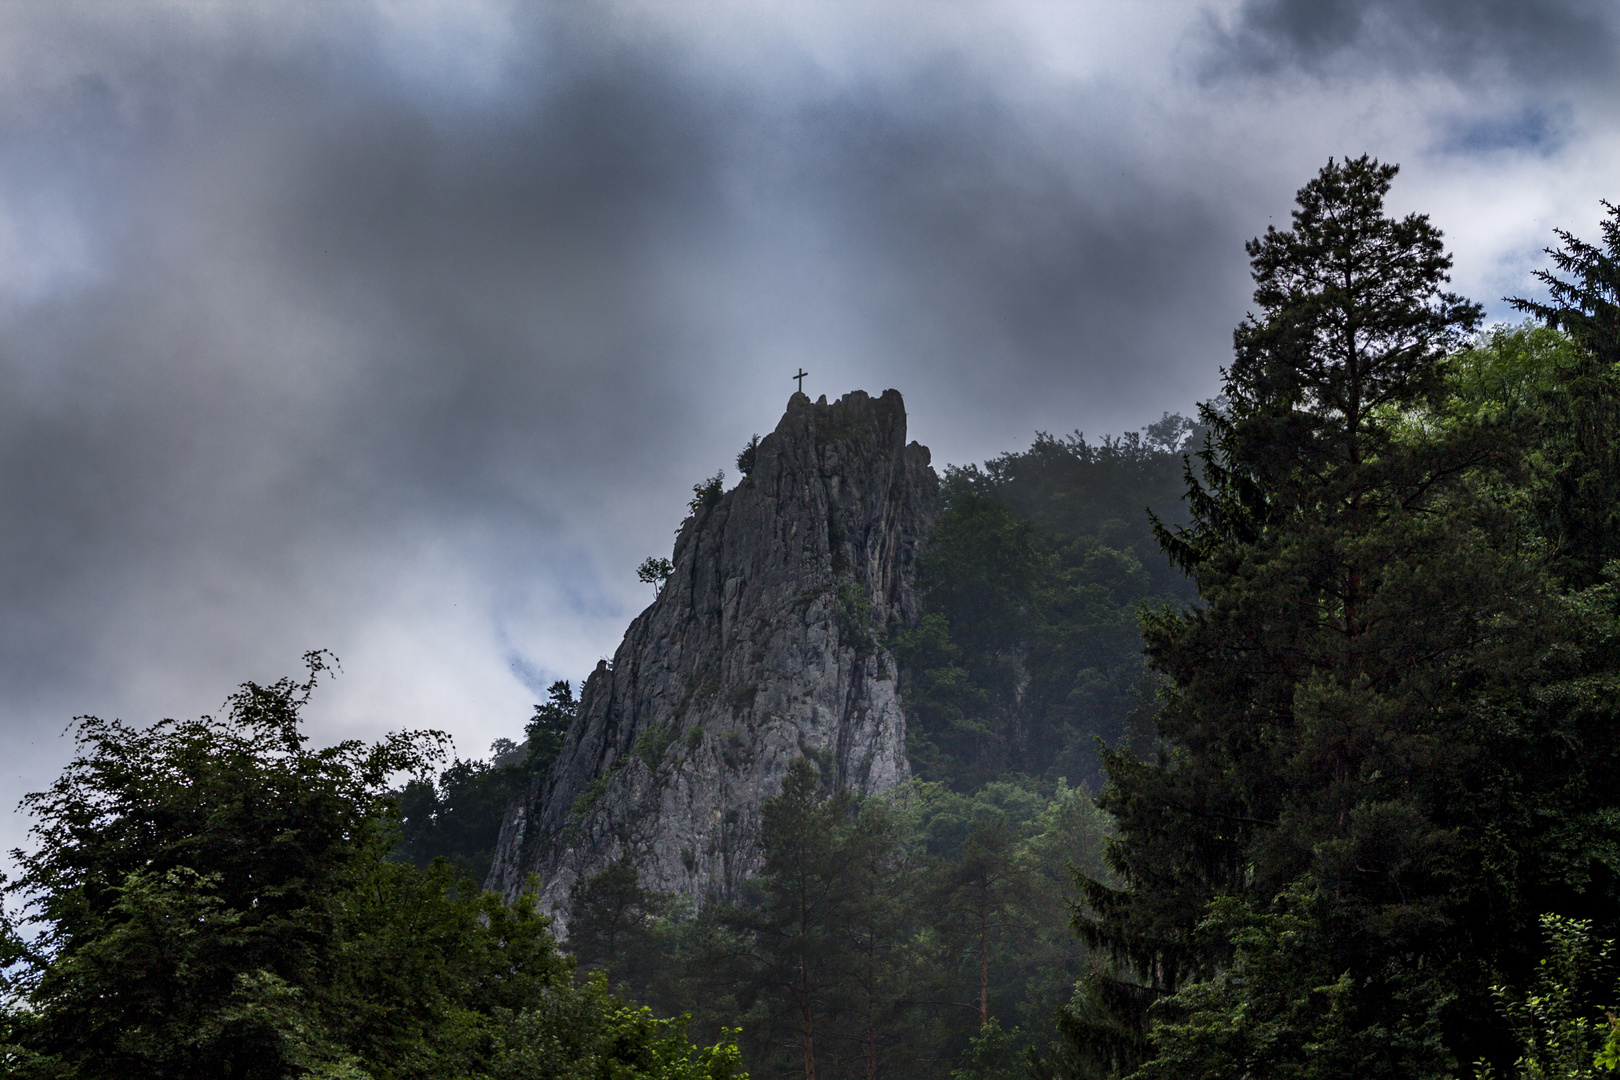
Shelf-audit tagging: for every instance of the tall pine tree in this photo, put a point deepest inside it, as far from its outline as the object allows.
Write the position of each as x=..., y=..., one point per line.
x=1328, y=862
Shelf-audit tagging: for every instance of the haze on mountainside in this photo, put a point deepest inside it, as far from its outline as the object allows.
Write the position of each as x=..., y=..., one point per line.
x=402, y=329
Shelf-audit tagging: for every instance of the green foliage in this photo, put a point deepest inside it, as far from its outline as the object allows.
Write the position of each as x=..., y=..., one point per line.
x=1388, y=732
x=708, y=493
x=1576, y=418
x=1102, y=1031
x=428, y=971
x=458, y=816
x=590, y=1035
x=1029, y=649
x=213, y=899
x=547, y=728
x=587, y=799
x=993, y=1054
x=1585, y=301
x=855, y=617
x=790, y=957
x=864, y=936
x=186, y=879
x=610, y=922
x=1074, y=489
x=1281, y=1009
x=996, y=864
x=654, y=571
x=653, y=743
x=749, y=454
x=1564, y=1035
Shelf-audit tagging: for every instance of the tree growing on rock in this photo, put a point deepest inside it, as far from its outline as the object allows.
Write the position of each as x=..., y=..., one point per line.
x=654, y=572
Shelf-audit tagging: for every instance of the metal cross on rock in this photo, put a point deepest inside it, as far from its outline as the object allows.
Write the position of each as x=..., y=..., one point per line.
x=800, y=376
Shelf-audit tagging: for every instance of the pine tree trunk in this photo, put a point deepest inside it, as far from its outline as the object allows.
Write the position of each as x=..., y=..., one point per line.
x=984, y=956
x=805, y=1004
x=871, y=1007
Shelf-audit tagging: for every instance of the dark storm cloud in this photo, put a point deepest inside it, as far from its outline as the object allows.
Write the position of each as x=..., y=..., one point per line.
x=1024, y=269
x=329, y=317
x=329, y=337
x=1536, y=42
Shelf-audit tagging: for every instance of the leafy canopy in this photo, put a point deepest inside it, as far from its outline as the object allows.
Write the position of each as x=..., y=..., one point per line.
x=214, y=899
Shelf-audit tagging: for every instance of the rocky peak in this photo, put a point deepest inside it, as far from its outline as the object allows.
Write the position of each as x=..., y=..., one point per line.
x=766, y=643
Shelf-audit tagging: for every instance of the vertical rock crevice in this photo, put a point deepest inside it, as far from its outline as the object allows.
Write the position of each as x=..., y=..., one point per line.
x=764, y=644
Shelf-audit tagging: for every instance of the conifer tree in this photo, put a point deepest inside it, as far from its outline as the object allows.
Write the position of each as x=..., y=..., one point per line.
x=790, y=952
x=610, y=922
x=1308, y=862
x=1576, y=419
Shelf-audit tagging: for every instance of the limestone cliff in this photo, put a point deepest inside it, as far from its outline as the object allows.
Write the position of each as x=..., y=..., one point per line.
x=766, y=643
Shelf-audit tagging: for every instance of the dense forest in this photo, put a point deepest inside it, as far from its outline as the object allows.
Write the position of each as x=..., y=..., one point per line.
x=1281, y=742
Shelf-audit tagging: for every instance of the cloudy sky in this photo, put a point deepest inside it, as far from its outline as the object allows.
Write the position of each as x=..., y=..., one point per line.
x=403, y=327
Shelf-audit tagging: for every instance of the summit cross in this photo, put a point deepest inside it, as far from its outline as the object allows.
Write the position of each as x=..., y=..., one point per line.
x=800, y=376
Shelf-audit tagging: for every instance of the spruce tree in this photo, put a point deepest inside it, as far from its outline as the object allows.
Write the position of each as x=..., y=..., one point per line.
x=1576, y=419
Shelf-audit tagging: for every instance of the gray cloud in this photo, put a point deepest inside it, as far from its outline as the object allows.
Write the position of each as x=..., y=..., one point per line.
x=1540, y=43
x=323, y=312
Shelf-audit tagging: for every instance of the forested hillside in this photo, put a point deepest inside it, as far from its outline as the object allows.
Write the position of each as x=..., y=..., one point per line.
x=1027, y=660
x=1282, y=743
x=1029, y=654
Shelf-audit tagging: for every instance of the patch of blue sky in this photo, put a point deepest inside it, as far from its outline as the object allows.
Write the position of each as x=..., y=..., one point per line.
x=454, y=54
x=1533, y=130
x=534, y=677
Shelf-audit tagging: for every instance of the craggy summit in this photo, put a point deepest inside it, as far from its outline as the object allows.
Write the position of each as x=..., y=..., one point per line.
x=765, y=643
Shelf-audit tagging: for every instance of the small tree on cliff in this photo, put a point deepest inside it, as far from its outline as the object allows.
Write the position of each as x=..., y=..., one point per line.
x=548, y=726
x=654, y=572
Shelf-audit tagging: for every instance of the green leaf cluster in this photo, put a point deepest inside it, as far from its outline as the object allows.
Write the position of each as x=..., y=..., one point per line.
x=708, y=493
x=214, y=898
x=1562, y=1037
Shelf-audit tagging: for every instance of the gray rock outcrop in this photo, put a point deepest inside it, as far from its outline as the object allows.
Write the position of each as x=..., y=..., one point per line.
x=766, y=643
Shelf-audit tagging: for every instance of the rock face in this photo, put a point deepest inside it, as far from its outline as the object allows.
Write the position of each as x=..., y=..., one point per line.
x=765, y=644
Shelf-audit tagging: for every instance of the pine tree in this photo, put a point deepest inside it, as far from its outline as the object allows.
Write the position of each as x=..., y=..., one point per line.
x=873, y=930
x=549, y=725
x=611, y=919
x=788, y=949
x=1336, y=769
